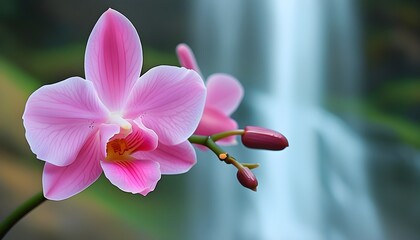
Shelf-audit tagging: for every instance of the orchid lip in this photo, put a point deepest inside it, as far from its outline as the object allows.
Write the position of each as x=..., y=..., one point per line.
x=119, y=150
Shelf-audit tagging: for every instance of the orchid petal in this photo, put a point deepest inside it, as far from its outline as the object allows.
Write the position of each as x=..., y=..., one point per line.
x=186, y=57
x=213, y=121
x=63, y=182
x=173, y=159
x=168, y=100
x=136, y=176
x=113, y=58
x=60, y=117
x=143, y=137
x=224, y=92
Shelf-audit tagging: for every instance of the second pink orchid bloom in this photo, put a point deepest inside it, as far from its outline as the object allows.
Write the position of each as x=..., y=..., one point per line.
x=132, y=129
x=224, y=94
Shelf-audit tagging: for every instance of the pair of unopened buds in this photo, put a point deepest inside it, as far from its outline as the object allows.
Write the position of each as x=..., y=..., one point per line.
x=251, y=137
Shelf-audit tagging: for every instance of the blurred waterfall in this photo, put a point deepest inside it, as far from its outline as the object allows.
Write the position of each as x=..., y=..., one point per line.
x=281, y=51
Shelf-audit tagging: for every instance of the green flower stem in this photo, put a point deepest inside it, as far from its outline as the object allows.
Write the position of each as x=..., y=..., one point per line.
x=209, y=142
x=221, y=135
x=198, y=139
x=251, y=165
x=20, y=212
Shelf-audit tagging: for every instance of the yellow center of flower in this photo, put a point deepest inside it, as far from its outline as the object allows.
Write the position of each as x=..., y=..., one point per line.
x=118, y=150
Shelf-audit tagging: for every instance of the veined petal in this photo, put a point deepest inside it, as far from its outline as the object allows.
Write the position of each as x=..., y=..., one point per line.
x=63, y=182
x=113, y=58
x=168, y=100
x=173, y=159
x=136, y=176
x=224, y=92
x=186, y=57
x=214, y=121
x=143, y=137
x=60, y=117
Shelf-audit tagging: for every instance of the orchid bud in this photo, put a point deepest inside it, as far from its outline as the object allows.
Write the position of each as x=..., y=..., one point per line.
x=263, y=138
x=186, y=57
x=247, y=178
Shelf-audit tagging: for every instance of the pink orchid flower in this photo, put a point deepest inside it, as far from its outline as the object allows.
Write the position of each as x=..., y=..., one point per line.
x=132, y=129
x=224, y=94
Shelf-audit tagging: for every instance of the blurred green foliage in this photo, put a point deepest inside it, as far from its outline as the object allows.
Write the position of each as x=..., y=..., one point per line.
x=387, y=109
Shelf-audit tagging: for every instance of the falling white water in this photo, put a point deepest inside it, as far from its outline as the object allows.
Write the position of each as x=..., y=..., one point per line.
x=317, y=188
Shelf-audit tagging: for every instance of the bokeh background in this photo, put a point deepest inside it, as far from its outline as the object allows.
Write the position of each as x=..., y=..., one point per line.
x=340, y=78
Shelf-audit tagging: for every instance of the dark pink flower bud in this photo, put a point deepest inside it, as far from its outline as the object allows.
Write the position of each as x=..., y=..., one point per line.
x=247, y=178
x=263, y=138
